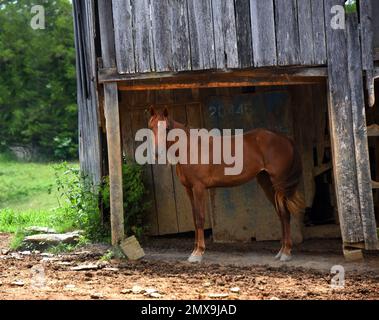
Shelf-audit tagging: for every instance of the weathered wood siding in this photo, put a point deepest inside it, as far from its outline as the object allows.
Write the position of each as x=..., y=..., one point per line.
x=375, y=21
x=184, y=35
x=89, y=128
x=348, y=130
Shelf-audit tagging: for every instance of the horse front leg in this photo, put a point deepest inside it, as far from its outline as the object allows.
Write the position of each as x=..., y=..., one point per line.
x=199, y=196
x=190, y=195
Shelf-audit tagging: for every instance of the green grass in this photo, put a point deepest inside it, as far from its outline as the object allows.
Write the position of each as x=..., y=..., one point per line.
x=12, y=221
x=27, y=186
x=29, y=197
x=50, y=195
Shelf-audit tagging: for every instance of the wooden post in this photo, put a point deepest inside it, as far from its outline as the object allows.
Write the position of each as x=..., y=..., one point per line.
x=355, y=71
x=112, y=117
x=341, y=131
x=112, y=120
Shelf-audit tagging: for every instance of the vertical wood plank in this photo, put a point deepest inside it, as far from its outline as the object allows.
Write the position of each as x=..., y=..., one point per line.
x=366, y=17
x=243, y=27
x=112, y=117
x=320, y=108
x=161, y=22
x=263, y=32
x=181, y=53
x=123, y=34
x=304, y=15
x=106, y=33
x=201, y=34
x=287, y=32
x=225, y=34
x=143, y=38
x=127, y=135
x=341, y=130
x=360, y=132
x=90, y=154
x=367, y=36
x=318, y=26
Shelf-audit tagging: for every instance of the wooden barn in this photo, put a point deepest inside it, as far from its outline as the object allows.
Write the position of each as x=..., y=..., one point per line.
x=301, y=67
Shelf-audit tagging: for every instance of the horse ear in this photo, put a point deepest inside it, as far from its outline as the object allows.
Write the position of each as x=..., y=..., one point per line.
x=152, y=111
x=165, y=112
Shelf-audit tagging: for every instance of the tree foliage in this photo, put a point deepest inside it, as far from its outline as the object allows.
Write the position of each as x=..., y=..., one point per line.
x=37, y=78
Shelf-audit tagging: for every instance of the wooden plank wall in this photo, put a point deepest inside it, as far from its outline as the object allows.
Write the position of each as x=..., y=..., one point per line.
x=348, y=133
x=172, y=35
x=89, y=123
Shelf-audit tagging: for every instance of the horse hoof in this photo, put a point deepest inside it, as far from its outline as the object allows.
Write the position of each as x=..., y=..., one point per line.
x=279, y=255
x=195, y=259
x=285, y=258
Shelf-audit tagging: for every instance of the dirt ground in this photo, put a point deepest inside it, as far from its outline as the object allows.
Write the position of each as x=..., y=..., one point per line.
x=228, y=272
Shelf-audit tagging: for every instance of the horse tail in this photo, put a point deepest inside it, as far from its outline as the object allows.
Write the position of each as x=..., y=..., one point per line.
x=286, y=194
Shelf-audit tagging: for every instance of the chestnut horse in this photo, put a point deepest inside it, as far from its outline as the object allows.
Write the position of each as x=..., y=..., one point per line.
x=267, y=155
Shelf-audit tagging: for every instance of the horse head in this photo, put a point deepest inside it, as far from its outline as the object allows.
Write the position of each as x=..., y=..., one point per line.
x=159, y=124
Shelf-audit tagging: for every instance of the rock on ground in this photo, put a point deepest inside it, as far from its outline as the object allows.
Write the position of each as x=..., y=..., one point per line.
x=53, y=239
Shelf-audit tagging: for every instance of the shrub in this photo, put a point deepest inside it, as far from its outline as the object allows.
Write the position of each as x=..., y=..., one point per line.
x=135, y=204
x=65, y=148
x=80, y=202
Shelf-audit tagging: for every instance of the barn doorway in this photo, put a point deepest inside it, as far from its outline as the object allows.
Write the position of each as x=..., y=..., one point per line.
x=243, y=213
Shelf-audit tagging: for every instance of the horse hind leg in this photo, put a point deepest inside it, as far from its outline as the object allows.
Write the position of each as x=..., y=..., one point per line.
x=285, y=218
x=199, y=220
x=264, y=181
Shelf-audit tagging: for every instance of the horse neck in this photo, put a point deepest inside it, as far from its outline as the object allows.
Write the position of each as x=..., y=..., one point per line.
x=178, y=125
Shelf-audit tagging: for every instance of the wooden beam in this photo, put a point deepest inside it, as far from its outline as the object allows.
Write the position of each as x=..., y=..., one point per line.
x=322, y=169
x=111, y=110
x=215, y=79
x=112, y=123
x=373, y=130
x=375, y=184
x=211, y=84
x=111, y=75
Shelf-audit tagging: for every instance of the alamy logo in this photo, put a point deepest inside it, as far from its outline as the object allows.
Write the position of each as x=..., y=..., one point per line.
x=338, y=281
x=338, y=19
x=38, y=277
x=192, y=146
x=38, y=20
